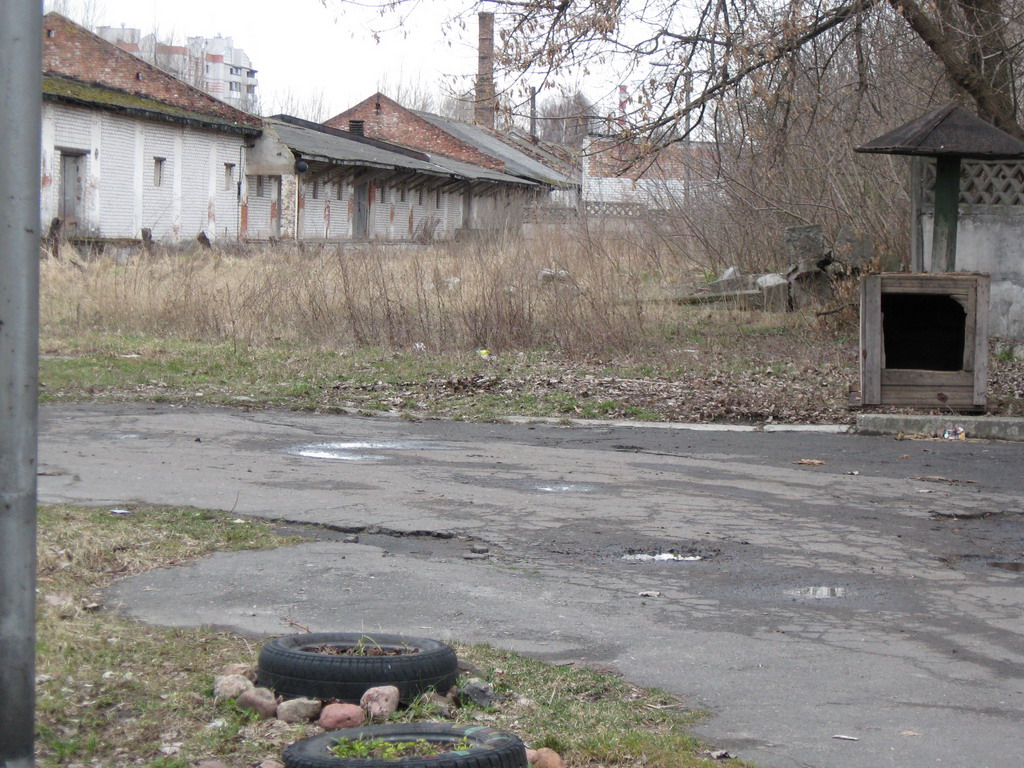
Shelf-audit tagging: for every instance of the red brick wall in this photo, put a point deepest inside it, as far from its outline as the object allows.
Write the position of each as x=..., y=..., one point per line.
x=75, y=52
x=388, y=120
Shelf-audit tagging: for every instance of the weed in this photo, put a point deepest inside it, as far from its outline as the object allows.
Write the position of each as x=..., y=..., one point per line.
x=113, y=693
x=385, y=749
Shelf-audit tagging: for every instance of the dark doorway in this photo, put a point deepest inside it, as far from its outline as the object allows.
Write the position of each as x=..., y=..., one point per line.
x=72, y=172
x=923, y=331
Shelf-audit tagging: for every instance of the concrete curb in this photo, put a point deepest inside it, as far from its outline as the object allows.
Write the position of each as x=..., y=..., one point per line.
x=981, y=427
x=828, y=429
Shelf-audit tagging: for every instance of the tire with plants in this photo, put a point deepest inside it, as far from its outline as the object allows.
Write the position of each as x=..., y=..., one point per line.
x=343, y=665
x=475, y=747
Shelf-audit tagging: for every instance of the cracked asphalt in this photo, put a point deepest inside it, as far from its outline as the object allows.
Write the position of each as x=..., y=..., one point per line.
x=873, y=591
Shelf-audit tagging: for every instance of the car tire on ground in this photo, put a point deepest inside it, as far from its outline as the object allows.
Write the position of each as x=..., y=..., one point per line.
x=488, y=747
x=291, y=666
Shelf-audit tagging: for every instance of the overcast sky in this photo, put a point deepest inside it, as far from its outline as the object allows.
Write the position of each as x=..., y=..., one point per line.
x=306, y=48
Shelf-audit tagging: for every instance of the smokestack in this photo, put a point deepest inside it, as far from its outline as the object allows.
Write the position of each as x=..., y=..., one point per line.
x=483, y=108
x=533, y=114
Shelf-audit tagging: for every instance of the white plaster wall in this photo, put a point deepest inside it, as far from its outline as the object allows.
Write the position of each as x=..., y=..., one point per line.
x=158, y=201
x=120, y=197
x=991, y=240
x=116, y=187
x=258, y=208
x=313, y=212
x=340, y=224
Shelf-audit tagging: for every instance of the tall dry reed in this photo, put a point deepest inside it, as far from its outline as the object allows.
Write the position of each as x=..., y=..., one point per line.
x=577, y=295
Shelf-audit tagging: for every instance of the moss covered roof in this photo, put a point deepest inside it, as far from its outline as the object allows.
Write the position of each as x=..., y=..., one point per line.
x=88, y=94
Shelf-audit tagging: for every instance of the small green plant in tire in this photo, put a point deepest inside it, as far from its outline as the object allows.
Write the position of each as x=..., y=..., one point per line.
x=409, y=745
x=379, y=748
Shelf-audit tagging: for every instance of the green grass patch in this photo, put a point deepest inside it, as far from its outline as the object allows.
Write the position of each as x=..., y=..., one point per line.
x=115, y=693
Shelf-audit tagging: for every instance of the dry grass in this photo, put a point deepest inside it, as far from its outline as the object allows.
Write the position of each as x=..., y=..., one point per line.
x=494, y=294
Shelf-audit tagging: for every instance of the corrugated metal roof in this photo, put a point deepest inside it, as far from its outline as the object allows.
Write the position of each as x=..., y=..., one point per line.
x=331, y=147
x=517, y=163
x=948, y=130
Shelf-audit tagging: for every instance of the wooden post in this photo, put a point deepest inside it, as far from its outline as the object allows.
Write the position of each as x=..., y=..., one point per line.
x=947, y=211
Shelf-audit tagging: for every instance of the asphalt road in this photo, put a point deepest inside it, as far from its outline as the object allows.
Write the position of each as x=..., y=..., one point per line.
x=877, y=595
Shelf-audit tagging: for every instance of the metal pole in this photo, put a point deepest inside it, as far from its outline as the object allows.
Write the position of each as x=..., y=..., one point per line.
x=20, y=119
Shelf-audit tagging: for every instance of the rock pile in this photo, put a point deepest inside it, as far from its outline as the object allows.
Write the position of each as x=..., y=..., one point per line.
x=237, y=683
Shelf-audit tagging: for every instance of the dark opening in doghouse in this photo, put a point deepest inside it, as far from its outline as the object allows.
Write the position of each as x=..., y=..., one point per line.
x=923, y=331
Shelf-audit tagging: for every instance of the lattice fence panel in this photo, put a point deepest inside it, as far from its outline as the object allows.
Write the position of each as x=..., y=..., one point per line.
x=615, y=210
x=982, y=183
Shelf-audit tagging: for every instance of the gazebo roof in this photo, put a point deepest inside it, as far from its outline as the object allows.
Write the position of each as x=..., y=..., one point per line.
x=948, y=131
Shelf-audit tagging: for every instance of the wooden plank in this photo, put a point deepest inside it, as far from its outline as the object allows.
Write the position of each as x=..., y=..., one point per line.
x=921, y=284
x=947, y=213
x=970, y=323
x=916, y=214
x=927, y=398
x=911, y=377
x=871, y=339
x=981, y=339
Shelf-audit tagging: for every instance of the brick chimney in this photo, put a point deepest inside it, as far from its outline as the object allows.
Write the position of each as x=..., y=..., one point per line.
x=483, y=107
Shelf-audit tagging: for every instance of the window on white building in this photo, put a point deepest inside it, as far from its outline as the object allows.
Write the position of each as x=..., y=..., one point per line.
x=229, y=176
x=383, y=193
x=401, y=194
x=337, y=190
x=419, y=196
x=158, y=170
x=260, y=188
x=235, y=87
x=316, y=189
x=437, y=199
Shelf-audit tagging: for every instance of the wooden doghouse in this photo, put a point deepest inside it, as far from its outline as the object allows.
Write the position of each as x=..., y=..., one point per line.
x=924, y=340
x=924, y=337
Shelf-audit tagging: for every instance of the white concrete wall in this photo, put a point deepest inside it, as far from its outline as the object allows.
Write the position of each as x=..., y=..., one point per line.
x=120, y=194
x=991, y=240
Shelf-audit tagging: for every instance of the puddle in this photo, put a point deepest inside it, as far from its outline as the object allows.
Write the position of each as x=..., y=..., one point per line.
x=353, y=450
x=1007, y=566
x=660, y=557
x=566, y=488
x=817, y=593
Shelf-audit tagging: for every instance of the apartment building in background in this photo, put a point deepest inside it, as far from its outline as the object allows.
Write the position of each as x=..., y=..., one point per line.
x=212, y=64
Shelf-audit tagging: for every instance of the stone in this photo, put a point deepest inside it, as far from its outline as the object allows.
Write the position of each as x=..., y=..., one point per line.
x=805, y=242
x=854, y=247
x=231, y=686
x=553, y=276
x=338, y=715
x=245, y=670
x=775, y=290
x=809, y=284
x=381, y=702
x=479, y=692
x=548, y=758
x=260, y=700
x=444, y=704
x=298, y=710
x=732, y=280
